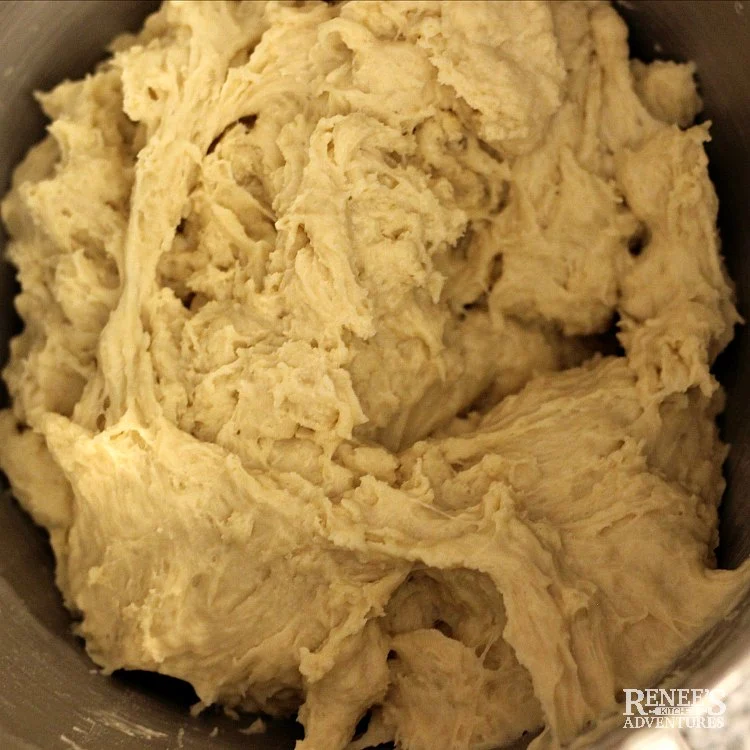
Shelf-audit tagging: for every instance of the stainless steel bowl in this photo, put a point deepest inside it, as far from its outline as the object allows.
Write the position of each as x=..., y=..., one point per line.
x=50, y=694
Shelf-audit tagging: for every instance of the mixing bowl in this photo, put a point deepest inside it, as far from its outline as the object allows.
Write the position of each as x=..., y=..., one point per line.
x=51, y=696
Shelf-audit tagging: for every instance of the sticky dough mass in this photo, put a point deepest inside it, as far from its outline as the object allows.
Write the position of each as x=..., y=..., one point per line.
x=317, y=393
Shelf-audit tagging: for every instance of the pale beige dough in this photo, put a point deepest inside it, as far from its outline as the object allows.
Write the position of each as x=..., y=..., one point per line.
x=309, y=395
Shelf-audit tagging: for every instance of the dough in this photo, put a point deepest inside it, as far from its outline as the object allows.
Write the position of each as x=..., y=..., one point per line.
x=318, y=394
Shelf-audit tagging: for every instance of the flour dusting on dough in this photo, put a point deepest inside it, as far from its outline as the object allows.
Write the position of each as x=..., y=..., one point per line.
x=318, y=395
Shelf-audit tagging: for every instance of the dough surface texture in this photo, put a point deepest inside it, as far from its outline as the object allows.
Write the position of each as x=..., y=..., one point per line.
x=318, y=393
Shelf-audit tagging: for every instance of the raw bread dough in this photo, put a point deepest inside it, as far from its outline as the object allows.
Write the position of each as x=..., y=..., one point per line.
x=309, y=395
